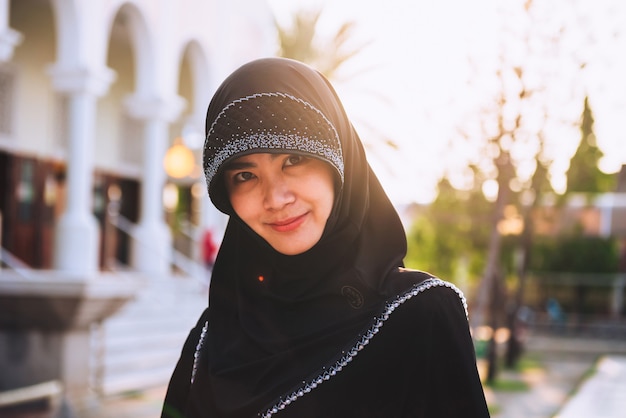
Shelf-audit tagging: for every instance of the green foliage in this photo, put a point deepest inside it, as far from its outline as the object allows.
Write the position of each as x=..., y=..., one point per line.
x=528, y=362
x=430, y=251
x=509, y=385
x=451, y=234
x=575, y=253
x=510, y=244
x=583, y=174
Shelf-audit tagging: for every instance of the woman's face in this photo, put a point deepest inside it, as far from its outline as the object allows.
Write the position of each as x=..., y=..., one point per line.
x=285, y=198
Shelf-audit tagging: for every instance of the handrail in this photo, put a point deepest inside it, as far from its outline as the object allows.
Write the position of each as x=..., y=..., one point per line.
x=17, y=265
x=179, y=260
x=46, y=390
x=586, y=279
x=188, y=230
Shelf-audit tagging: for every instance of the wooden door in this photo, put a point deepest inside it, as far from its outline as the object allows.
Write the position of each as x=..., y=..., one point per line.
x=28, y=209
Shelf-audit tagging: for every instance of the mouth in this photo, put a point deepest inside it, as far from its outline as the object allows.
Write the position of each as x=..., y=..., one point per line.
x=289, y=224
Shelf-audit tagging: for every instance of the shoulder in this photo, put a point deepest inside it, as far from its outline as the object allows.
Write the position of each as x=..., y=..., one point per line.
x=430, y=314
x=426, y=293
x=417, y=282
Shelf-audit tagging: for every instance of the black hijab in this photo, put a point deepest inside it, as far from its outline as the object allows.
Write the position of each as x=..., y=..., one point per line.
x=266, y=338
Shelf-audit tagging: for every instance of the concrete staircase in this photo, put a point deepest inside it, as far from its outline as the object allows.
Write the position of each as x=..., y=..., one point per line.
x=137, y=348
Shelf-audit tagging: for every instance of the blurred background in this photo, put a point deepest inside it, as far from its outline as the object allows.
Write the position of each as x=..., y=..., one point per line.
x=496, y=127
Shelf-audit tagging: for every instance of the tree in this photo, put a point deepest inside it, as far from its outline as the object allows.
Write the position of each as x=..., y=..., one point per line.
x=521, y=115
x=539, y=186
x=584, y=175
x=448, y=236
x=302, y=41
x=511, y=130
x=299, y=42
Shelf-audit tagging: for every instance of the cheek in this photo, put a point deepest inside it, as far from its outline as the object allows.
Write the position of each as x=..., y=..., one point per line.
x=243, y=206
x=325, y=194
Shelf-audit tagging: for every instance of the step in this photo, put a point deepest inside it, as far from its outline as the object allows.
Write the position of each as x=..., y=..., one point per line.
x=142, y=343
x=136, y=361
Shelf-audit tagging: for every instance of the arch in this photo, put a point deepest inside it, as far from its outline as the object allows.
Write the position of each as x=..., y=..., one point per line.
x=142, y=46
x=200, y=73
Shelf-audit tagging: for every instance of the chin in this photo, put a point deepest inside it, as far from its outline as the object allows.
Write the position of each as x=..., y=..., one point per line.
x=289, y=251
x=292, y=249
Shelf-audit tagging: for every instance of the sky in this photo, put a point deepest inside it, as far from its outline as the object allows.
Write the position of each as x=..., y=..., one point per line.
x=427, y=75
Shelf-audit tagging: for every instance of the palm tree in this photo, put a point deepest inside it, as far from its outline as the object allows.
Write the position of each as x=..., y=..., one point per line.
x=299, y=42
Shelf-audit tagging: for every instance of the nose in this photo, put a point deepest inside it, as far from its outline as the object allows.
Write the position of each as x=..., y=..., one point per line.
x=277, y=193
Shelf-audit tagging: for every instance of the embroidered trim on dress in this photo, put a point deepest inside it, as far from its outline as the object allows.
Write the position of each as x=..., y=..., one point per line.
x=196, y=355
x=362, y=342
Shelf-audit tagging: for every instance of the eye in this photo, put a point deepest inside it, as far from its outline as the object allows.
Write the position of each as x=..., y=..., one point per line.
x=242, y=176
x=294, y=159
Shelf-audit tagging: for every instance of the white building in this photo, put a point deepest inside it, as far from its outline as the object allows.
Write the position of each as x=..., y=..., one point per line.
x=92, y=95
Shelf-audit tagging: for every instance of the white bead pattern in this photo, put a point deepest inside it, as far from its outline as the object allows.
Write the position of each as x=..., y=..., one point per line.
x=278, y=117
x=293, y=142
x=196, y=355
x=361, y=343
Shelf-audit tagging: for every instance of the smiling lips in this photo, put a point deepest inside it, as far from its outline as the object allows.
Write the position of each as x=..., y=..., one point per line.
x=288, y=225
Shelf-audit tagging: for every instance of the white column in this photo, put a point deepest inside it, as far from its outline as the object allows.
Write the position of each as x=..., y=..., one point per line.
x=77, y=234
x=9, y=38
x=152, y=244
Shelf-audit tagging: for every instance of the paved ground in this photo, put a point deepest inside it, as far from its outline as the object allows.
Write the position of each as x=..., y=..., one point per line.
x=603, y=395
x=574, y=378
x=146, y=404
x=550, y=386
x=577, y=378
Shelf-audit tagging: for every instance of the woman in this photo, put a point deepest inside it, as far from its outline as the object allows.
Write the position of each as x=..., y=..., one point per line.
x=311, y=313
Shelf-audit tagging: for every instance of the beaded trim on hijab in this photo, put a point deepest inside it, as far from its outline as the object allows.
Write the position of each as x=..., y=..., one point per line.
x=271, y=121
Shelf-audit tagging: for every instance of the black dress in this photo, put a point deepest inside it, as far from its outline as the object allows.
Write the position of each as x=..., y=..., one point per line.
x=341, y=329
x=417, y=361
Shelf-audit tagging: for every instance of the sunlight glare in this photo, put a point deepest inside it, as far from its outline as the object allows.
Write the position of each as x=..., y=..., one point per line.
x=427, y=75
x=490, y=190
